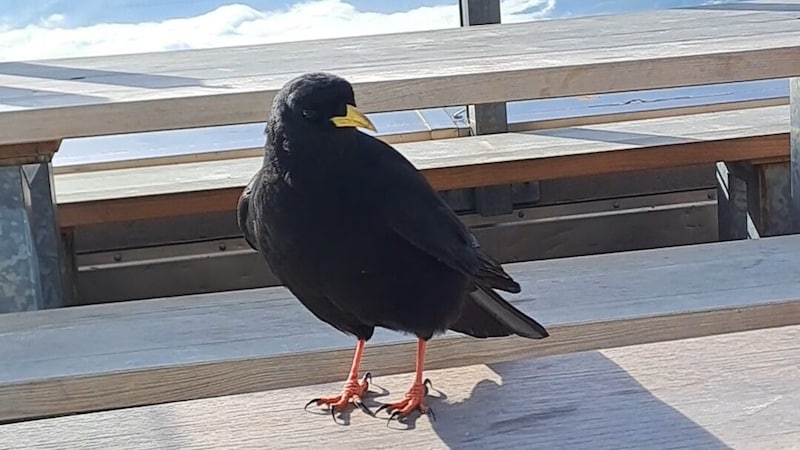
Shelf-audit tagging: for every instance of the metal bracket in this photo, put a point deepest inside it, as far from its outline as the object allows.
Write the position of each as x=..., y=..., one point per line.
x=31, y=275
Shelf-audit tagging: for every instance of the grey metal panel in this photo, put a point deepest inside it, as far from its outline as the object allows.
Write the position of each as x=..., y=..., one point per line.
x=46, y=232
x=660, y=221
x=794, y=205
x=30, y=248
x=20, y=287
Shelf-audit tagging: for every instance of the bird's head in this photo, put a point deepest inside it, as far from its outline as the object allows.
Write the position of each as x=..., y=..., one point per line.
x=321, y=101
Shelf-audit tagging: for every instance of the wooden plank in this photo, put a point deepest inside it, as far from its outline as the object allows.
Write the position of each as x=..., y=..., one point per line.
x=494, y=63
x=237, y=141
x=678, y=394
x=599, y=119
x=143, y=352
x=30, y=153
x=134, y=160
x=214, y=186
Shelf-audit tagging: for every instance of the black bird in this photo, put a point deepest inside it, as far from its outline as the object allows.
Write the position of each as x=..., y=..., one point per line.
x=358, y=235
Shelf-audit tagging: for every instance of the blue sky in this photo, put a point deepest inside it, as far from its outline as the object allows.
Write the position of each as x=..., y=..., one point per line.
x=66, y=28
x=86, y=12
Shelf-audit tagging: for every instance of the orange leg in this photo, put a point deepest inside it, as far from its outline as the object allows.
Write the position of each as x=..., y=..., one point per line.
x=415, y=397
x=353, y=389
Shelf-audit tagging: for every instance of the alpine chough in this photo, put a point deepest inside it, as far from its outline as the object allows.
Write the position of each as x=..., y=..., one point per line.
x=358, y=235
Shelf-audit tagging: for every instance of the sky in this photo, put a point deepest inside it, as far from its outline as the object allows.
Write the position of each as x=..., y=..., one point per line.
x=38, y=29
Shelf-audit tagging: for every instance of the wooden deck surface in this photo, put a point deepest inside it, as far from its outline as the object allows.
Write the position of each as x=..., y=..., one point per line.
x=212, y=186
x=729, y=391
x=142, y=352
x=55, y=99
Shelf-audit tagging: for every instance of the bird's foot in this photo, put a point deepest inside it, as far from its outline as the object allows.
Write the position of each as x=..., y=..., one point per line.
x=414, y=400
x=352, y=391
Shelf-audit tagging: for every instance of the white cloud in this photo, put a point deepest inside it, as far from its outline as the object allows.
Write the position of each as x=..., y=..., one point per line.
x=236, y=24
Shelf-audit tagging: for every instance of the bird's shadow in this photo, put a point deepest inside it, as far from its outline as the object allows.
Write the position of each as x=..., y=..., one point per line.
x=576, y=401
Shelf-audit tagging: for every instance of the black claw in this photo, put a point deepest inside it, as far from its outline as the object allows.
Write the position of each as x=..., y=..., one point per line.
x=428, y=384
x=368, y=377
x=395, y=415
x=431, y=414
x=314, y=400
x=364, y=407
x=385, y=406
x=333, y=415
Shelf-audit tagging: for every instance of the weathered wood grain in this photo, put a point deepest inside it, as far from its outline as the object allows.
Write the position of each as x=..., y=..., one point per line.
x=736, y=390
x=140, y=161
x=143, y=352
x=57, y=99
x=214, y=186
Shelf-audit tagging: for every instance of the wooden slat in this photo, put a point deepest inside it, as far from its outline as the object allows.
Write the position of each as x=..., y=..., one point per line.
x=729, y=391
x=18, y=154
x=214, y=186
x=143, y=352
x=132, y=93
x=203, y=156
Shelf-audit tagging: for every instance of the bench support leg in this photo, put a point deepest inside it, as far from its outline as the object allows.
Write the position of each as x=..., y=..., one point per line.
x=31, y=275
x=754, y=200
x=769, y=199
x=732, y=210
x=794, y=205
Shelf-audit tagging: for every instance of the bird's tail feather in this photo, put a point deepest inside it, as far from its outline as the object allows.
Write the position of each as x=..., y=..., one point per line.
x=492, y=274
x=511, y=319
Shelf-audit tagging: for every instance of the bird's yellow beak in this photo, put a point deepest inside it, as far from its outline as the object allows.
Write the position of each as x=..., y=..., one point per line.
x=353, y=118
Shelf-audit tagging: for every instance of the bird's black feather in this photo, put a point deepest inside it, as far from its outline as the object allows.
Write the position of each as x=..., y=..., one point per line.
x=244, y=218
x=359, y=236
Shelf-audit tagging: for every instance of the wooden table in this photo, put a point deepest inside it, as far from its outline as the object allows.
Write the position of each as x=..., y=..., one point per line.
x=46, y=101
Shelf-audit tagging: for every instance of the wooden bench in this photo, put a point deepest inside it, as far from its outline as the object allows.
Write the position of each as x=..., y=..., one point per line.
x=737, y=390
x=472, y=66
x=98, y=357
x=101, y=204
x=136, y=193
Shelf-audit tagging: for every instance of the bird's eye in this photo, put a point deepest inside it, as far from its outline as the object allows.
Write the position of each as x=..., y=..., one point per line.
x=309, y=114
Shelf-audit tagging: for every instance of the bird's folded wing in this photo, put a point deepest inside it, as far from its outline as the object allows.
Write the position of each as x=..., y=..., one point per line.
x=433, y=228
x=244, y=218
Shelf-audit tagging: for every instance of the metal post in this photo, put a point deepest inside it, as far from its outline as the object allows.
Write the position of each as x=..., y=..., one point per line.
x=731, y=203
x=757, y=197
x=46, y=233
x=794, y=169
x=487, y=118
